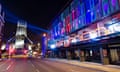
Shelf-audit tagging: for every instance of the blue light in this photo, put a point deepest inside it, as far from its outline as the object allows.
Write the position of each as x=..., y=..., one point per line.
x=36, y=28
x=13, y=19
x=52, y=46
x=43, y=45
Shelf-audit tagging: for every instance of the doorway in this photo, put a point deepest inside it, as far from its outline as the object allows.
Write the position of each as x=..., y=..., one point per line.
x=115, y=56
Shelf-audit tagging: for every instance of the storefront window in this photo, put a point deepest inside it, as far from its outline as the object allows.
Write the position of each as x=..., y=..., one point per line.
x=78, y=10
x=88, y=11
x=82, y=9
x=98, y=12
x=86, y=36
x=76, y=23
x=83, y=20
x=114, y=28
x=93, y=34
x=88, y=17
x=114, y=5
x=87, y=5
x=93, y=15
x=96, y=2
x=66, y=43
x=105, y=7
x=73, y=25
x=73, y=15
x=79, y=22
x=70, y=22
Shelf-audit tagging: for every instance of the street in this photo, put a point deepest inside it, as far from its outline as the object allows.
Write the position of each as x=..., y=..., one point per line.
x=40, y=65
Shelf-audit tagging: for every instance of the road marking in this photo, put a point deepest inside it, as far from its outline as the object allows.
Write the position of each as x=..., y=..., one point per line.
x=33, y=65
x=29, y=61
x=3, y=63
x=74, y=71
x=37, y=70
x=9, y=66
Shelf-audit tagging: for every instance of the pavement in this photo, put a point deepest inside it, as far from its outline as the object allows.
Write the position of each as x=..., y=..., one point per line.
x=97, y=66
x=40, y=65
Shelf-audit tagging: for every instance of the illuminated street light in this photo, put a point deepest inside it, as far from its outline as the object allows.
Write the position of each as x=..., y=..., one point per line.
x=38, y=44
x=52, y=46
x=44, y=35
x=3, y=47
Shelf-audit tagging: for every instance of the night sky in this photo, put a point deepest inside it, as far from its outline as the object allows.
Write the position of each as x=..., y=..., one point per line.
x=39, y=13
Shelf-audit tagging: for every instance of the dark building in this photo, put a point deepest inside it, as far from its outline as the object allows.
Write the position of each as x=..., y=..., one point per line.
x=87, y=30
x=2, y=21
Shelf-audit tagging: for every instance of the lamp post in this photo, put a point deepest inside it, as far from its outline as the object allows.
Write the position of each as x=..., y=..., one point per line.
x=44, y=37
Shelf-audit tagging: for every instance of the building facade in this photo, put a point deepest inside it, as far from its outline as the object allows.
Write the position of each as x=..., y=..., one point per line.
x=1, y=22
x=87, y=30
x=21, y=33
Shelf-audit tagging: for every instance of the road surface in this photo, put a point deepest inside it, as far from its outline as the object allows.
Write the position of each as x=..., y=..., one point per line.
x=40, y=65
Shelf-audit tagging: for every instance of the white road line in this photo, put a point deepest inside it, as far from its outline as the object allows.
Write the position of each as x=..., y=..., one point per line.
x=33, y=65
x=9, y=66
x=74, y=71
x=3, y=63
x=37, y=70
x=29, y=61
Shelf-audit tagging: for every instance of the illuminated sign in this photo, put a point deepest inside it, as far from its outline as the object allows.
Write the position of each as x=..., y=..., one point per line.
x=66, y=43
x=93, y=34
x=114, y=27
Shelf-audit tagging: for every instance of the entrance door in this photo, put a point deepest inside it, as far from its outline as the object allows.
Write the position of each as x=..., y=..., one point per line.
x=115, y=56
x=93, y=55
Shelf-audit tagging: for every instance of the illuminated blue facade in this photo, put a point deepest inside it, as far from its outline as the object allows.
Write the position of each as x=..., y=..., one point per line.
x=86, y=28
x=81, y=13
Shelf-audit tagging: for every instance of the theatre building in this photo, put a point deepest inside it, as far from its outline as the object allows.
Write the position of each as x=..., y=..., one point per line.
x=87, y=30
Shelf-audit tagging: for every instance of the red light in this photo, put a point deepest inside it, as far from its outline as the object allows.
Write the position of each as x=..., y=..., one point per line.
x=25, y=51
x=11, y=50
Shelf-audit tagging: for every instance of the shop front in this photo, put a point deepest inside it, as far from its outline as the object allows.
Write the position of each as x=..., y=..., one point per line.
x=93, y=55
x=114, y=54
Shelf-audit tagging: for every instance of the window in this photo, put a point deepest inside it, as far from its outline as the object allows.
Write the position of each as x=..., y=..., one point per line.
x=88, y=17
x=114, y=5
x=73, y=15
x=105, y=7
x=76, y=23
x=87, y=5
x=78, y=10
x=96, y=2
x=93, y=15
x=99, y=12
x=82, y=9
x=80, y=22
x=67, y=23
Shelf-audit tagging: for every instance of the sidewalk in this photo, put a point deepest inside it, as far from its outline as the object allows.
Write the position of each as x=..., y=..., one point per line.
x=106, y=68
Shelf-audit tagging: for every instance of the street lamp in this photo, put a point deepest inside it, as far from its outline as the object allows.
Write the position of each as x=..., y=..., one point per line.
x=44, y=46
x=44, y=35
